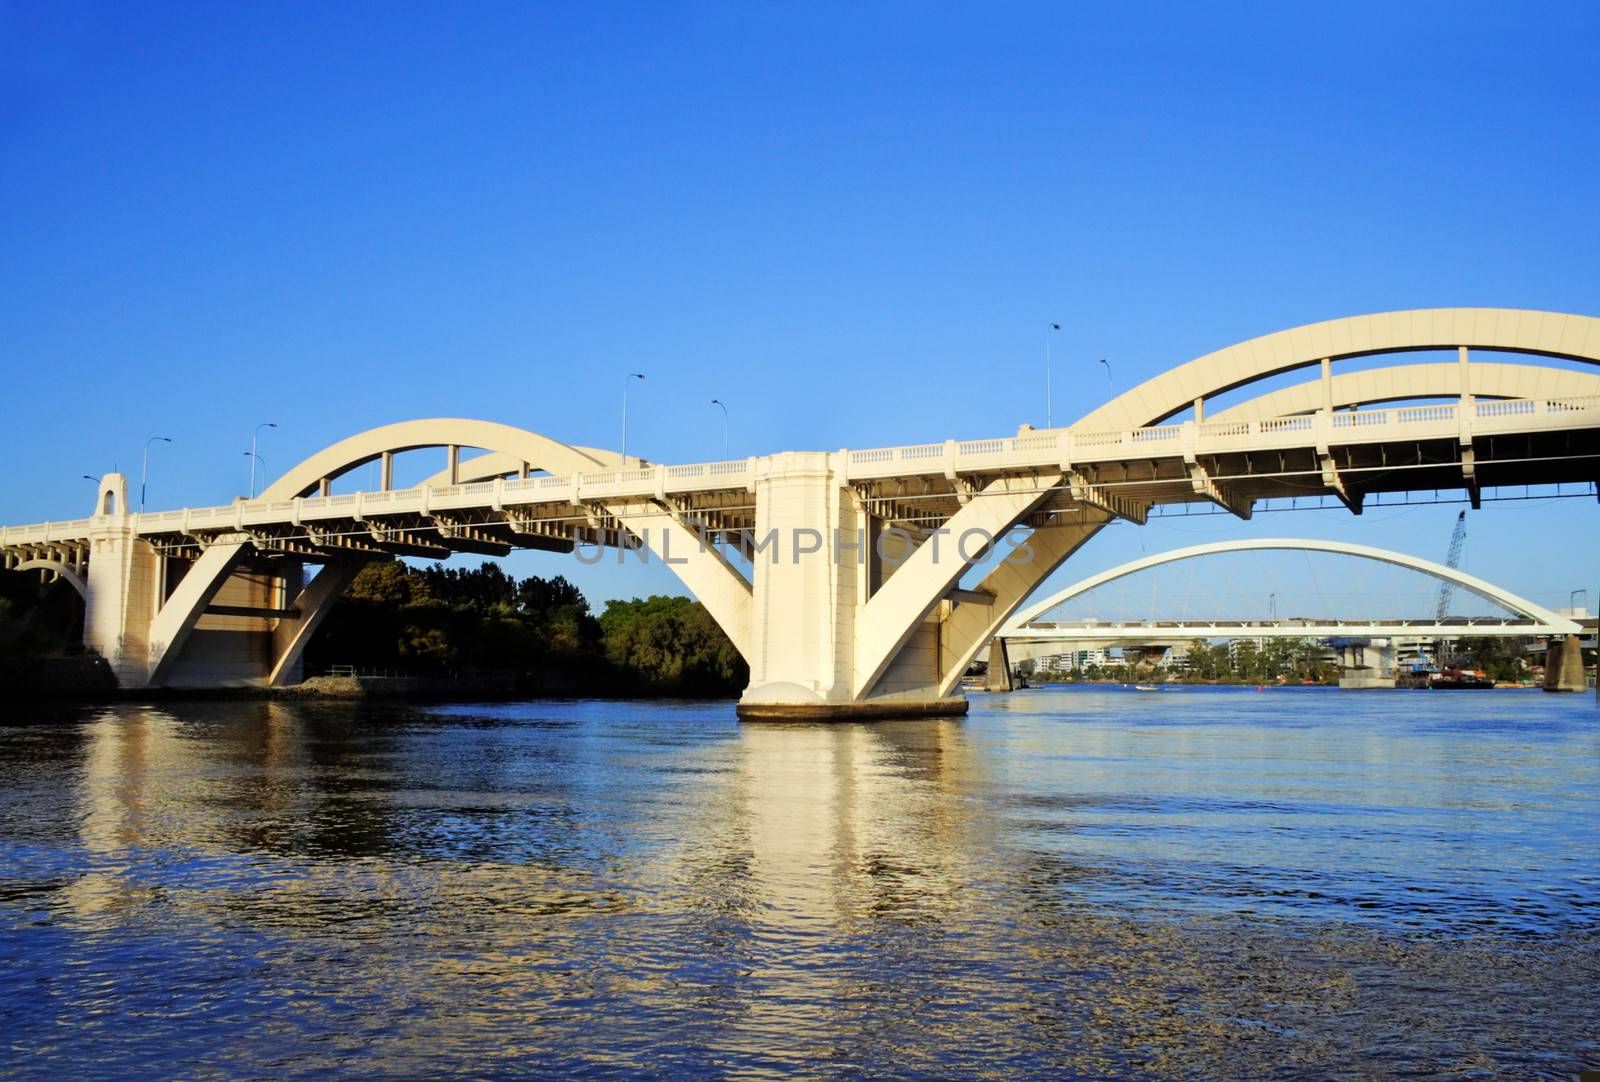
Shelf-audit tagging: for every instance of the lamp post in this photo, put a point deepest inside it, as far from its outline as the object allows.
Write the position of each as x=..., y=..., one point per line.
x=1108, y=370
x=144, y=471
x=254, y=456
x=631, y=376
x=719, y=402
x=1049, y=408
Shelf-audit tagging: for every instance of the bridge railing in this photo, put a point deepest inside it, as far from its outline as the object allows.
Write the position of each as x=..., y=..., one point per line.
x=1430, y=421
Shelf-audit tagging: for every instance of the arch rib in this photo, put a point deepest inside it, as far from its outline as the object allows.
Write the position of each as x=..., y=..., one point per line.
x=364, y=447
x=1402, y=382
x=73, y=579
x=718, y=585
x=1504, y=330
x=1487, y=590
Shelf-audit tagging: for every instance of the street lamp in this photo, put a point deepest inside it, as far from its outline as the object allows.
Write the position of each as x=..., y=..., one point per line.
x=627, y=380
x=144, y=471
x=1108, y=370
x=719, y=402
x=1049, y=410
x=254, y=456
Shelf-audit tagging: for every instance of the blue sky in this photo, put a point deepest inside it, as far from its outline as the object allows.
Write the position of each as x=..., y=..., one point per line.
x=849, y=222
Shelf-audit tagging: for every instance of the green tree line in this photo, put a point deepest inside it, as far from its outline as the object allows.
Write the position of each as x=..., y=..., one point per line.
x=479, y=621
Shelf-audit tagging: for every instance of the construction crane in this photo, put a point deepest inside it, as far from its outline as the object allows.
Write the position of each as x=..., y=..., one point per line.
x=1447, y=588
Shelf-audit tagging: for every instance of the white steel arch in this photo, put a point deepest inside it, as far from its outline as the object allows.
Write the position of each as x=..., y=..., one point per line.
x=1505, y=598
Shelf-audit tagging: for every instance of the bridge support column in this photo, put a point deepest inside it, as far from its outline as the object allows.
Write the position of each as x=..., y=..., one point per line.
x=1563, y=665
x=999, y=666
x=803, y=611
x=812, y=558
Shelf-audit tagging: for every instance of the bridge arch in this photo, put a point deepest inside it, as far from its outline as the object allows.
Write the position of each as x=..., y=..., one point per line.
x=71, y=577
x=1487, y=590
x=510, y=446
x=1499, y=330
x=724, y=592
x=1400, y=383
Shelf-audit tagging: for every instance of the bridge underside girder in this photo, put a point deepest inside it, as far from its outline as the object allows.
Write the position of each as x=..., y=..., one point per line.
x=1236, y=482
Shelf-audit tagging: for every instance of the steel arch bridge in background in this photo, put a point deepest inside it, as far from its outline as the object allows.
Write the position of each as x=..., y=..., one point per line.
x=1528, y=617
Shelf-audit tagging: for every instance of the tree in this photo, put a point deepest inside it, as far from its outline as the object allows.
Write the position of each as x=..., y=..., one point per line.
x=438, y=620
x=671, y=644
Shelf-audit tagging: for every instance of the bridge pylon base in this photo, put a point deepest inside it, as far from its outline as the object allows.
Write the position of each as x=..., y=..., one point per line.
x=1563, y=665
x=879, y=710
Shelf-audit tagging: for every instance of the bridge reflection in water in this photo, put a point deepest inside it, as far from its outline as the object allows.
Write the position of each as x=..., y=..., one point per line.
x=650, y=888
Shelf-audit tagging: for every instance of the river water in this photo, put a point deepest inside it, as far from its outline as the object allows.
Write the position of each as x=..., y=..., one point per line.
x=1072, y=882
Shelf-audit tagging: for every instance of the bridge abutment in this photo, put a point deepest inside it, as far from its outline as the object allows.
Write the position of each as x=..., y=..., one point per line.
x=123, y=587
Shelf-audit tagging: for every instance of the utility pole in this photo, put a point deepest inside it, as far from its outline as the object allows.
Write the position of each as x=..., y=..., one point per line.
x=144, y=471
x=631, y=376
x=253, y=436
x=719, y=402
x=1049, y=406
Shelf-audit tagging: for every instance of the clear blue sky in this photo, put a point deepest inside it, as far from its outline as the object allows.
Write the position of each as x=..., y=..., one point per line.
x=849, y=222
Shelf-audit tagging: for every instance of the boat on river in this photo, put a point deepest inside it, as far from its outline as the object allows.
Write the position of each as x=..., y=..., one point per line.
x=1453, y=679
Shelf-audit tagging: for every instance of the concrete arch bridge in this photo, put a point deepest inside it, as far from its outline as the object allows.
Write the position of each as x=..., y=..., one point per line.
x=854, y=582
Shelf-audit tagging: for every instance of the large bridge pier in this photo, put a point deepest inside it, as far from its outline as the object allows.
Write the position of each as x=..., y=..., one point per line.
x=819, y=593
x=1563, y=665
x=858, y=610
x=998, y=678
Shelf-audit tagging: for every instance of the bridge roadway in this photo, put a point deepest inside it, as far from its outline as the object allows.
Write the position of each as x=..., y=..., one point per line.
x=844, y=602
x=1123, y=473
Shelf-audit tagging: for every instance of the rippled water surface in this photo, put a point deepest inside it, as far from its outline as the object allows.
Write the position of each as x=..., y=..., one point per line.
x=1198, y=883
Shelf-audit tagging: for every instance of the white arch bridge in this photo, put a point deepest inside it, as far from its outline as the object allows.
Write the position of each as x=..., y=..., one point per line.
x=825, y=568
x=1031, y=634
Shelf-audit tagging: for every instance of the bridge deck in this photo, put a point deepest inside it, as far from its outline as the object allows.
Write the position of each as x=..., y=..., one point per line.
x=1121, y=473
